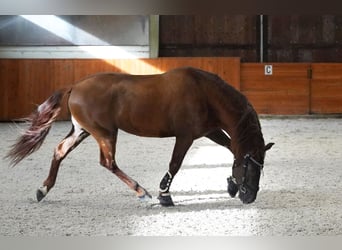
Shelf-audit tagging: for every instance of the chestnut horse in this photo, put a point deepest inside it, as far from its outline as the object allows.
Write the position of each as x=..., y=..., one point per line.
x=186, y=103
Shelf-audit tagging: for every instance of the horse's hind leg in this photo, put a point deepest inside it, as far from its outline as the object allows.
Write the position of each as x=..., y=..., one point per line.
x=107, y=146
x=74, y=138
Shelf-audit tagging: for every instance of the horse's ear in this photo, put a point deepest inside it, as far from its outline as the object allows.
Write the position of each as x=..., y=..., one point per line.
x=269, y=146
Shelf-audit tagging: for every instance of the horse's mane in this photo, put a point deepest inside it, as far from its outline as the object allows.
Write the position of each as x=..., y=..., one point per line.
x=249, y=134
x=229, y=97
x=248, y=129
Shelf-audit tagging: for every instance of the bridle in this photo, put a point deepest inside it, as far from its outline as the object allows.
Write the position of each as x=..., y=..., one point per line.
x=248, y=160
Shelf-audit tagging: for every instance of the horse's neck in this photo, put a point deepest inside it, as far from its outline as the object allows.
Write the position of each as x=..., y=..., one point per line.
x=238, y=119
x=249, y=138
x=228, y=109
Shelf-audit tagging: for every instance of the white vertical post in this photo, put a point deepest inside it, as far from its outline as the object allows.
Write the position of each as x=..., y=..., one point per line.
x=154, y=36
x=261, y=38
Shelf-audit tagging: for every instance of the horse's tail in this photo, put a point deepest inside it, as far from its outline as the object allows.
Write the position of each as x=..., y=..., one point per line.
x=40, y=123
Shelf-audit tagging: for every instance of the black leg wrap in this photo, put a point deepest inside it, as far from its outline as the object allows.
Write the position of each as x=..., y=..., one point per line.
x=165, y=200
x=165, y=183
x=164, y=195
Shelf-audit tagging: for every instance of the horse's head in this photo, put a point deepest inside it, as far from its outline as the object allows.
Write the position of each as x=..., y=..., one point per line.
x=246, y=175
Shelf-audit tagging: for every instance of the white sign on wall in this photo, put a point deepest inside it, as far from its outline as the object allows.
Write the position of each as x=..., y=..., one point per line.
x=268, y=70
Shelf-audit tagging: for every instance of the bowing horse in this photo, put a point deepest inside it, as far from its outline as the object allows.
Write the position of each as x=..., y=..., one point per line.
x=185, y=103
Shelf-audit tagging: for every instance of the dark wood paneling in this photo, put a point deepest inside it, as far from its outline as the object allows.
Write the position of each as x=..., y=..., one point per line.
x=219, y=35
x=304, y=38
x=291, y=38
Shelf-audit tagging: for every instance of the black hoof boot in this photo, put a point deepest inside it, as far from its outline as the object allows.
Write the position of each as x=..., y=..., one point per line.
x=165, y=200
x=232, y=187
x=41, y=193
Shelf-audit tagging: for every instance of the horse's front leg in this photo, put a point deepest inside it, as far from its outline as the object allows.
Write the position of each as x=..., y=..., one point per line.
x=220, y=138
x=181, y=147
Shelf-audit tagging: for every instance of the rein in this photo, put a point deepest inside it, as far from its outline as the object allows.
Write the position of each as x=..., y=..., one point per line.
x=247, y=160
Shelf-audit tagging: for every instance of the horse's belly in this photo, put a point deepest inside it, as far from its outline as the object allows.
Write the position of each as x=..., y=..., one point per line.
x=149, y=123
x=149, y=131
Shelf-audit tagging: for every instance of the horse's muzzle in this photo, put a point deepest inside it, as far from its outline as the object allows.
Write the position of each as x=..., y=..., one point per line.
x=246, y=195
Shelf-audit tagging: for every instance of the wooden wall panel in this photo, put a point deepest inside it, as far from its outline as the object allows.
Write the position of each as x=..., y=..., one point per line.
x=24, y=83
x=285, y=92
x=9, y=86
x=326, y=88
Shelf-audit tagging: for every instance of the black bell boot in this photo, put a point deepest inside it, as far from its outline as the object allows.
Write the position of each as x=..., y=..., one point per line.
x=165, y=200
x=232, y=187
x=164, y=194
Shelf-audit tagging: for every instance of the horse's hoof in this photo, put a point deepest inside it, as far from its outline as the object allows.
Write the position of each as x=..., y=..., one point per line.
x=41, y=193
x=145, y=198
x=165, y=200
x=148, y=195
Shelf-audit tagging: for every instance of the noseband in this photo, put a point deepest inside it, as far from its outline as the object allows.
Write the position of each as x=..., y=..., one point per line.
x=248, y=160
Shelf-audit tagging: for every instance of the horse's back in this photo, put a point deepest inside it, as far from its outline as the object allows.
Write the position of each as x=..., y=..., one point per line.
x=150, y=105
x=174, y=83
x=177, y=77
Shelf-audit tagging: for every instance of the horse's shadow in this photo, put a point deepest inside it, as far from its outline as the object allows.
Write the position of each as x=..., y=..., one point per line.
x=208, y=200
x=267, y=199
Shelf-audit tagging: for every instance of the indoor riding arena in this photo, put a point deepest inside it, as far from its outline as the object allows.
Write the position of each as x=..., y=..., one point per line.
x=288, y=67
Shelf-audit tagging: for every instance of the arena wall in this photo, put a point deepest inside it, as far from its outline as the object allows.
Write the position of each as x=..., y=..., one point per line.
x=290, y=88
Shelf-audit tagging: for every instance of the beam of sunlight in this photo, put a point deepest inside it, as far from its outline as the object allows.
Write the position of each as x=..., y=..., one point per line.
x=61, y=28
x=209, y=154
x=203, y=206
x=69, y=32
x=205, y=169
x=206, y=180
